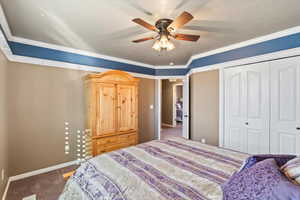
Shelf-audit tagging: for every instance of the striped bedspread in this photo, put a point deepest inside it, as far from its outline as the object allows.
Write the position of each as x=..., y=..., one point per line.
x=172, y=169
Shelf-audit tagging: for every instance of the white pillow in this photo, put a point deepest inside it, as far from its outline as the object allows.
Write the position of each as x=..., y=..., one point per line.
x=292, y=170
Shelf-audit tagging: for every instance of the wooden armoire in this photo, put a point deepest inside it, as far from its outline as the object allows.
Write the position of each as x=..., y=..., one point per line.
x=112, y=110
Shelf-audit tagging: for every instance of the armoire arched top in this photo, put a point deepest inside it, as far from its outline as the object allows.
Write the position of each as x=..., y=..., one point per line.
x=113, y=76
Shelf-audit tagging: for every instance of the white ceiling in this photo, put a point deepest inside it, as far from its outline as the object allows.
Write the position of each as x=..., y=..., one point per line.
x=105, y=27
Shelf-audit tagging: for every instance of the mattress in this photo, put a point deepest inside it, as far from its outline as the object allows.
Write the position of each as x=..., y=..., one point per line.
x=173, y=169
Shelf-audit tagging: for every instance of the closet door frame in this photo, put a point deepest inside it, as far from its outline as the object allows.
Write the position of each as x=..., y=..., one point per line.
x=158, y=98
x=241, y=63
x=277, y=55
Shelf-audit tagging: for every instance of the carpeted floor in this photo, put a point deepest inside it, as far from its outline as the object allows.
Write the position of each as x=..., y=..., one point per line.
x=46, y=186
x=169, y=132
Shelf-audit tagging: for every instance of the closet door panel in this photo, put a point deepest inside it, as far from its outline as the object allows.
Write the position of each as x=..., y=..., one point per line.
x=106, y=107
x=235, y=138
x=287, y=143
x=254, y=141
x=257, y=108
x=254, y=94
x=126, y=107
x=285, y=106
x=246, y=108
x=234, y=110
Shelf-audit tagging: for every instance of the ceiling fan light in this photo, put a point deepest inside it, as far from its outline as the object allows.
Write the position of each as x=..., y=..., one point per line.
x=156, y=45
x=163, y=43
x=170, y=46
x=164, y=40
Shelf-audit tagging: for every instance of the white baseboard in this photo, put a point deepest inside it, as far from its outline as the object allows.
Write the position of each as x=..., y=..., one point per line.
x=41, y=171
x=36, y=172
x=168, y=125
x=6, y=189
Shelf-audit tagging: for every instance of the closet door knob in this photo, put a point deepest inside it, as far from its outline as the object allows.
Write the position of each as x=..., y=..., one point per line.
x=298, y=128
x=246, y=123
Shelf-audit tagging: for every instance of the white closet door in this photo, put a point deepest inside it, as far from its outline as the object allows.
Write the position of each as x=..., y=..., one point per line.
x=234, y=109
x=247, y=108
x=285, y=106
x=257, y=108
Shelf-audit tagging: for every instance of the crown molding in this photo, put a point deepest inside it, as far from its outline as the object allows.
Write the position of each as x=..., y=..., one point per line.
x=4, y=24
x=66, y=65
x=8, y=41
x=5, y=47
x=248, y=61
x=170, y=66
x=253, y=41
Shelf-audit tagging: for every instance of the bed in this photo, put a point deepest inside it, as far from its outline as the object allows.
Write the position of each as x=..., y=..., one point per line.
x=174, y=168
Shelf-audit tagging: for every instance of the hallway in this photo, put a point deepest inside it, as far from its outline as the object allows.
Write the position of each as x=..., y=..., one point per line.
x=170, y=132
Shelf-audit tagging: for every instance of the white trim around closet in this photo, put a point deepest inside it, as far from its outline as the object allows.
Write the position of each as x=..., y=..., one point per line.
x=221, y=107
x=239, y=63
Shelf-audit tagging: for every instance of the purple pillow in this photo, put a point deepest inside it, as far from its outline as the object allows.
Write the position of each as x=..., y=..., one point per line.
x=280, y=159
x=262, y=181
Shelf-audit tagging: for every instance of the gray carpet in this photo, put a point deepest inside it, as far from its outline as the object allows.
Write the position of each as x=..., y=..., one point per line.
x=46, y=186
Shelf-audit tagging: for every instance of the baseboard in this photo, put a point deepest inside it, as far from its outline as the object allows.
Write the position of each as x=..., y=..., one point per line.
x=36, y=172
x=41, y=171
x=6, y=189
x=168, y=125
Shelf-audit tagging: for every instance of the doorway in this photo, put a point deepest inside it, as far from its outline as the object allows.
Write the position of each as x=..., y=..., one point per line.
x=172, y=113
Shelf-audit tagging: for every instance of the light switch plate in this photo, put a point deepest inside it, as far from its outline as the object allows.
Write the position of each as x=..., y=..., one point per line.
x=2, y=174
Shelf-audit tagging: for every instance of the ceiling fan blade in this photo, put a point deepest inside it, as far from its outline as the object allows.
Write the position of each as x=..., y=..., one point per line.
x=145, y=24
x=181, y=20
x=187, y=37
x=143, y=39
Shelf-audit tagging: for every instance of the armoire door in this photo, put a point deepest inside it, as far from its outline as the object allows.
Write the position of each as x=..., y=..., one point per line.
x=247, y=108
x=106, y=109
x=285, y=106
x=127, y=107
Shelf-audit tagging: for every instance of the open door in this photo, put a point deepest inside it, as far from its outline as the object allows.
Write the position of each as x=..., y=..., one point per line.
x=186, y=108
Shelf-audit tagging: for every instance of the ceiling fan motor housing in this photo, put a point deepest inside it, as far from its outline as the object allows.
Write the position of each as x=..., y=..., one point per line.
x=162, y=25
x=167, y=28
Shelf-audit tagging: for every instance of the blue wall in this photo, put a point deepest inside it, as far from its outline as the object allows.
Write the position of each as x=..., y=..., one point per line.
x=56, y=55
x=270, y=46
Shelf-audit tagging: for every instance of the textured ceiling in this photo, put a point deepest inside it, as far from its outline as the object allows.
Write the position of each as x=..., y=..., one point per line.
x=105, y=27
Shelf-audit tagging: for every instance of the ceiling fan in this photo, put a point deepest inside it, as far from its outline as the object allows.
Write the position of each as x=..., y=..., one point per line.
x=166, y=29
